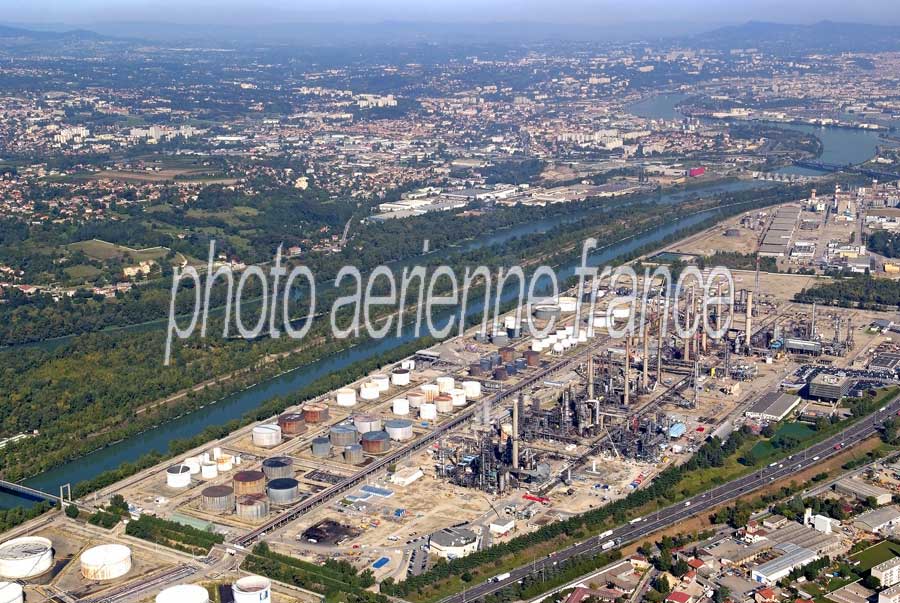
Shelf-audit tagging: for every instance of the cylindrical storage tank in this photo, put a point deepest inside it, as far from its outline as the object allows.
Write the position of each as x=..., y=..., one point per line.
x=225, y=463
x=217, y=499
x=193, y=464
x=500, y=373
x=353, y=454
x=10, y=592
x=249, y=482
x=401, y=406
x=520, y=364
x=292, y=423
x=444, y=403
x=283, y=491
x=369, y=391
x=507, y=354
x=510, y=322
x=428, y=411
x=472, y=389
x=342, y=435
x=278, y=467
x=183, y=593
x=475, y=369
x=376, y=442
x=399, y=430
x=315, y=413
x=514, y=332
x=431, y=391
x=217, y=452
x=321, y=447
x=445, y=384
x=267, y=436
x=365, y=424
x=400, y=377
x=252, y=589
x=25, y=557
x=511, y=369
x=532, y=358
x=408, y=364
x=621, y=312
x=558, y=348
x=416, y=399
x=252, y=507
x=106, y=562
x=458, y=395
x=566, y=304
x=346, y=396
x=547, y=311
x=382, y=382
x=209, y=470
x=495, y=358
x=486, y=364
x=500, y=338
x=178, y=476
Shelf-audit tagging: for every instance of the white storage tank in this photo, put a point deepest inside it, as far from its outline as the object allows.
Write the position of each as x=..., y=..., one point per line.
x=225, y=463
x=252, y=589
x=382, y=382
x=400, y=430
x=472, y=389
x=346, y=396
x=209, y=470
x=400, y=377
x=178, y=476
x=10, y=592
x=401, y=406
x=428, y=411
x=369, y=391
x=193, y=463
x=445, y=384
x=25, y=557
x=621, y=312
x=183, y=593
x=566, y=304
x=106, y=562
x=367, y=423
x=416, y=399
x=267, y=436
x=408, y=364
x=217, y=452
x=458, y=395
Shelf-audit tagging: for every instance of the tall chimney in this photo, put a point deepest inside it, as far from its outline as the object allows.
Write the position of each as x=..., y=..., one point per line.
x=645, y=375
x=627, y=368
x=515, y=434
x=590, y=376
x=748, y=323
x=659, y=347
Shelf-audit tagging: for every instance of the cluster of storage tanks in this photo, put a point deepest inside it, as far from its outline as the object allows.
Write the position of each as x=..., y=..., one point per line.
x=252, y=493
x=250, y=589
x=206, y=466
x=32, y=556
x=375, y=386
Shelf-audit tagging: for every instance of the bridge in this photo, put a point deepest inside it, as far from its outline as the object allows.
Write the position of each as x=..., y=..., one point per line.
x=27, y=492
x=834, y=167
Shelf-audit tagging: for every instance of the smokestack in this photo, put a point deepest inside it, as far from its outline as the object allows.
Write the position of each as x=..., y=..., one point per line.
x=590, y=376
x=719, y=306
x=687, y=324
x=748, y=323
x=645, y=375
x=515, y=434
x=486, y=412
x=627, y=368
x=659, y=347
x=812, y=326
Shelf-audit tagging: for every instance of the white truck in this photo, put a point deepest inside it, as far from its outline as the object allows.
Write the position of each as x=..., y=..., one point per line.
x=607, y=545
x=501, y=577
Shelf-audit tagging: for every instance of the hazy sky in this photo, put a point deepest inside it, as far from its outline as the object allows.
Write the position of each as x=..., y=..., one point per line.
x=600, y=12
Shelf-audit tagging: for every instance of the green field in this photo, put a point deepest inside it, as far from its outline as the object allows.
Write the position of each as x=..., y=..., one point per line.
x=102, y=250
x=876, y=554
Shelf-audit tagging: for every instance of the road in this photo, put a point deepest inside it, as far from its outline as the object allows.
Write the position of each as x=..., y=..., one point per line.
x=642, y=527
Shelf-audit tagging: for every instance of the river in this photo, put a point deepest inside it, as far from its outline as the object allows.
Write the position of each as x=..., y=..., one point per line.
x=236, y=405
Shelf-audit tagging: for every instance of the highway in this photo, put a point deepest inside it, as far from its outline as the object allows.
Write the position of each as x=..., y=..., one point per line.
x=643, y=527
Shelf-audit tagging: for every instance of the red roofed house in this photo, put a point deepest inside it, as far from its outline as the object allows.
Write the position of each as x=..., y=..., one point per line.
x=677, y=596
x=765, y=595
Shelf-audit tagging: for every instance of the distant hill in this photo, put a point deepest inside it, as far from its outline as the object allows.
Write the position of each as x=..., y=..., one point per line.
x=824, y=36
x=19, y=33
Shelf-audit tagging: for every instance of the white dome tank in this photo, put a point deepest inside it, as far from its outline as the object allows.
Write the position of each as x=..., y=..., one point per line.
x=209, y=470
x=445, y=384
x=428, y=411
x=267, y=436
x=346, y=396
x=401, y=406
x=252, y=589
x=183, y=593
x=458, y=395
x=25, y=557
x=10, y=592
x=106, y=562
x=472, y=389
x=369, y=391
x=382, y=382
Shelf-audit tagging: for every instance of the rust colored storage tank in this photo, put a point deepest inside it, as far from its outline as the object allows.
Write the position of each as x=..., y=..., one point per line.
x=292, y=423
x=376, y=442
x=475, y=369
x=507, y=354
x=315, y=413
x=252, y=507
x=249, y=482
x=500, y=373
x=532, y=358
